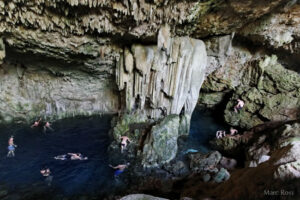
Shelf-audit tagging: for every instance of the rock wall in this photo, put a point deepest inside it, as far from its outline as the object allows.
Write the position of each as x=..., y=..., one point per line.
x=53, y=90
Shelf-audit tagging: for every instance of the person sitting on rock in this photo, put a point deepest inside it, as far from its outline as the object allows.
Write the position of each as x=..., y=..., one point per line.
x=11, y=147
x=124, y=142
x=239, y=105
x=119, y=169
x=47, y=126
x=220, y=134
x=36, y=123
x=233, y=131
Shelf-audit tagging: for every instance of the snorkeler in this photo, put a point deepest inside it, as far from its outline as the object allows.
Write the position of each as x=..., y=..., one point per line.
x=11, y=147
x=77, y=156
x=46, y=173
x=119, y=169
x=47, y=126
x=124, y=142
x=36, y=123
x=239, y=105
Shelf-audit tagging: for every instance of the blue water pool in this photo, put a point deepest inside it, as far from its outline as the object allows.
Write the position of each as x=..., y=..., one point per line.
x=35, y=150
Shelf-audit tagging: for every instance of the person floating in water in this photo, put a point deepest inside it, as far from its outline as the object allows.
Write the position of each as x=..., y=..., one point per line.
x=119, y=169
x=11, y=147
x=239, y=105
x=36, y=123
x=233, y=131
x=77, y=156
x=124, y=142
x=72, y=156
x=47, y=126
x=47, y=173
x=61, y=157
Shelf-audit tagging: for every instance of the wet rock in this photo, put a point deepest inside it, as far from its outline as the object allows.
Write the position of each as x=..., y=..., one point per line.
x=177, y=168
x=228, y=163
x=161, y=146
x=222, y=175
x=210, y=166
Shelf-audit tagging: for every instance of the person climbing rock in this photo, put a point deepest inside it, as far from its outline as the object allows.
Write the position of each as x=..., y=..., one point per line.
x=47, y=126
x=119, y=169
x=124, y=142
x=11, y=147
x=36, y=123
x=239, y=105
x=233, y=131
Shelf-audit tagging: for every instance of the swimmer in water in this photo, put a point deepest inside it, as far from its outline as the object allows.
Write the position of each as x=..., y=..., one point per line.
x=61, y=157
x=47, y=126
x=46, y=173
x=36, y=123
x=11, y=147
x=119, y=169
x=77, y=156
x=124, y=142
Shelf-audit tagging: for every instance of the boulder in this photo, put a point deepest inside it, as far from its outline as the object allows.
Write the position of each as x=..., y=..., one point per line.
x=161, y=145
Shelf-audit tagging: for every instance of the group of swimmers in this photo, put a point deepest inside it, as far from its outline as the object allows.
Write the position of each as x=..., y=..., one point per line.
x=46, y=126
x=45, y=172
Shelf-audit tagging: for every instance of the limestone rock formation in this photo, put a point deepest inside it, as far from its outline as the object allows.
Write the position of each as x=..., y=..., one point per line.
x=270, y=92
x=277, y=30
x=279, y=148
x=162, y=80
x=40, y=89
x=161, y=146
